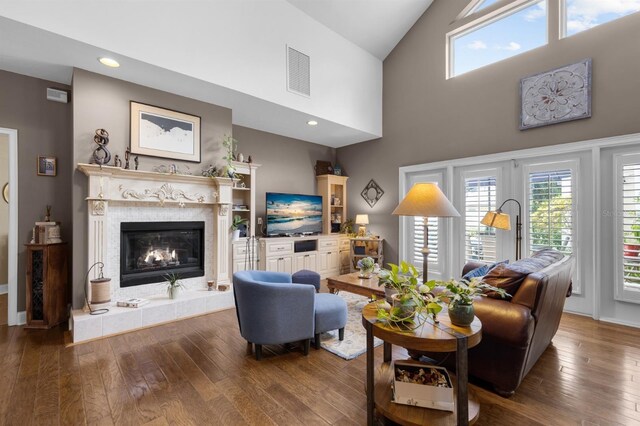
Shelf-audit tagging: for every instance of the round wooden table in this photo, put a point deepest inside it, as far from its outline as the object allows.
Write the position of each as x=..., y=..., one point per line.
x=429, y=337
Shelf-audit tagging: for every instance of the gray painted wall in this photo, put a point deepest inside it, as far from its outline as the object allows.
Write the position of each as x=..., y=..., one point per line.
x=287, y=165
x=103, y=102
x=427, y=118
x=44, y=128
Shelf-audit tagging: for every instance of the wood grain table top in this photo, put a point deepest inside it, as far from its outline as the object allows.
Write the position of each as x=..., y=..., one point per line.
x=429, y=336
x=353, y=284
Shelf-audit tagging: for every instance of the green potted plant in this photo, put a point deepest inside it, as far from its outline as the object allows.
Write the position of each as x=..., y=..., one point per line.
x=230, y=145
x=235, y=226
x=460, y=295
x=366, y=266
x=406, y=295
x=173, y=285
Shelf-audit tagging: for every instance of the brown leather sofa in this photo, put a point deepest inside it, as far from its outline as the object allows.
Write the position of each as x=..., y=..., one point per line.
x=516, y=331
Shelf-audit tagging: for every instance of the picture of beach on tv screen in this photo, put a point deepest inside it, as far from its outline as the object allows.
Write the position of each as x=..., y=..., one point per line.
x=293, y=214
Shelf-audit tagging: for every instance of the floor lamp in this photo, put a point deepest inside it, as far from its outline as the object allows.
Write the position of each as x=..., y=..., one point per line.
x=425, y=200
x=500, y=220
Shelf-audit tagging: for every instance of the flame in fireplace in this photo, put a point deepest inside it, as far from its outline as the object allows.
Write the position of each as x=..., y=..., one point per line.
x=158, y=257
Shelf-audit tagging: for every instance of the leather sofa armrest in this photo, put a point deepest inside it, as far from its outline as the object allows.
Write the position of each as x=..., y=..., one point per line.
x=470, y=266
x=529, y=291
x=509, y=322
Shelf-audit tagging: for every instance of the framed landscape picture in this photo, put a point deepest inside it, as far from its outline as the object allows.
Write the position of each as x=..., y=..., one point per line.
x=47, y=166
x=160, y=132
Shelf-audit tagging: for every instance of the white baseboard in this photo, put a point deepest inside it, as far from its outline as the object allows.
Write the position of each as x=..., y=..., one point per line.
x=620, y=322
x=4, y=288
x=22, y=318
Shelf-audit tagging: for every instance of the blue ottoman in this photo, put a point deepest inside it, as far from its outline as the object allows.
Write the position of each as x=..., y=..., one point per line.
x=330, y=314
x=305, y=276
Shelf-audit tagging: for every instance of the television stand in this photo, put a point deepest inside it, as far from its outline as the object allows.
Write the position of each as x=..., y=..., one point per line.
x=326, y=254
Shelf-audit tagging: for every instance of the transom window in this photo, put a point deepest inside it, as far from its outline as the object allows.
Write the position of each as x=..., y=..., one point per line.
x=510, y=33
x=581, y=15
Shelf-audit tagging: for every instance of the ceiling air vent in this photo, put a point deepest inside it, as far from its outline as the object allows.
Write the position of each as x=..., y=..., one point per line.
x=298, y=72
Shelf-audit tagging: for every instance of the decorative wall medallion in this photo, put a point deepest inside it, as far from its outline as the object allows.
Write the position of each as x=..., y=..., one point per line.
x=165, y=192
x=562, y=94
x=99, y=208
x=372, y=193
x=224, y=210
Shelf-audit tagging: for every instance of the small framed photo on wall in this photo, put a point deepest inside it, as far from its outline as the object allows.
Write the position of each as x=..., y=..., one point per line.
x=47, y=166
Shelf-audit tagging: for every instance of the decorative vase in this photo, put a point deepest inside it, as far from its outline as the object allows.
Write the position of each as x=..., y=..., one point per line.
x=173, y=292
x=365, y=273
x=236, y=235
x=388, y=294
x=461, y=315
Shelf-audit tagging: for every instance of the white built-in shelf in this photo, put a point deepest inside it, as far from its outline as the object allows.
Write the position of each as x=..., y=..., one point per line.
x=240, y=210
x=242, y=189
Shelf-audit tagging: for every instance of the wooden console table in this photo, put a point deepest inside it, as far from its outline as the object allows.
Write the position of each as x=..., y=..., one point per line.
x=429, y=337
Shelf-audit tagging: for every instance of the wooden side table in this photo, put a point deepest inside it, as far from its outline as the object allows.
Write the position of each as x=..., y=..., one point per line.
x=46, y=284
x=429, y=337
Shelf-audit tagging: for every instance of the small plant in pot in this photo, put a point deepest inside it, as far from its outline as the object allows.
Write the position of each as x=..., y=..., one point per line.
x=460, y=296
x=235, y=226
x=366, y=266
x=173, y=285
x=406, y=295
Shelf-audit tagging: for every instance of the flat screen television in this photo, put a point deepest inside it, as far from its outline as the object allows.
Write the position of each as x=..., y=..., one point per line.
x=289, y=214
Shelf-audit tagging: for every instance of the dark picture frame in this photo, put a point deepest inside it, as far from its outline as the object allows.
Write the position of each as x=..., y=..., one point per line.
x=47, y=166
x=164, y=133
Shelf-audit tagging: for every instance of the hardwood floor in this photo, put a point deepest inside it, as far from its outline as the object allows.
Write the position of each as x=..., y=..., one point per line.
x=199, y=371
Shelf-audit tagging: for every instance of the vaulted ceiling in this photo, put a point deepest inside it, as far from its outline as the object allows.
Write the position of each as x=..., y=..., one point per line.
x=226, y=52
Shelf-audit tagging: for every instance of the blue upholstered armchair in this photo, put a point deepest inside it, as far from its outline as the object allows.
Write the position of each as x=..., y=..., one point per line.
x=273, y=311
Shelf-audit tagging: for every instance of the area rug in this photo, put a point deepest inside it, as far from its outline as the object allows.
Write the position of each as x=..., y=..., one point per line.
x=355, y=336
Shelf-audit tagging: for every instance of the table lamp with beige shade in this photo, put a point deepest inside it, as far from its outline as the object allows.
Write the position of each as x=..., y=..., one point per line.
x=426, y=200
x=362, y=220
x=500, y=220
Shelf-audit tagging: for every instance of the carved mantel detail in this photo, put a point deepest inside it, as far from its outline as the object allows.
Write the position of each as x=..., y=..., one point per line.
x=98, y=207
x=165, y=192
x=224, y=209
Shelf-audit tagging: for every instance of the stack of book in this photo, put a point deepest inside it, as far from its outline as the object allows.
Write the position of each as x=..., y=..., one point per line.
x=135, y=302
x=46, y=233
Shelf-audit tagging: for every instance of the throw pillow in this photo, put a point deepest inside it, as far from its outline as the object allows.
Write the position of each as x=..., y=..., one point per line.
x=504, y=277
x=481, y=271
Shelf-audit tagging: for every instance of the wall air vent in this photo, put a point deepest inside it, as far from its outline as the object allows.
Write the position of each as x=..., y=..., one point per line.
x=298, y=72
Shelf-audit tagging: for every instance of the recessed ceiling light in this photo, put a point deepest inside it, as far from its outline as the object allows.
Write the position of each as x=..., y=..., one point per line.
x=109, y=62
x=312, y=123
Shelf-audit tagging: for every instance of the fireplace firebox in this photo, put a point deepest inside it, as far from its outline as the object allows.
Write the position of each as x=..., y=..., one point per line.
x=151, y=250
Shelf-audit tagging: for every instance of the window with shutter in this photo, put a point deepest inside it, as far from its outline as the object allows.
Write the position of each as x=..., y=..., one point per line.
x=628, y=228
x=479, y=198
x=551, y=210
x=418, y=240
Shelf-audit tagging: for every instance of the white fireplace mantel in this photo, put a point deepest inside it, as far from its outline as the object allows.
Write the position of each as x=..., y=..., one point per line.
x=108, y=185
x=114, y=192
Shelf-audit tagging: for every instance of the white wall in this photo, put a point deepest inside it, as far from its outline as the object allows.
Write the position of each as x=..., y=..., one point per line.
x=237, y=44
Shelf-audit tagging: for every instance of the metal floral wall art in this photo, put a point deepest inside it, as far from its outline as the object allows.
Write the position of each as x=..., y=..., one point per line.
x=372, y=193
x=555, y=96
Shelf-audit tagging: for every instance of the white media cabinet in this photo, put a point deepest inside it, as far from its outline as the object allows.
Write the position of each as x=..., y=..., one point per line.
x=328, y=255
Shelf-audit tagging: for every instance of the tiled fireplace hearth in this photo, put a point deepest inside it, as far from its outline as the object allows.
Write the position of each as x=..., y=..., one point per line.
x=129, y=209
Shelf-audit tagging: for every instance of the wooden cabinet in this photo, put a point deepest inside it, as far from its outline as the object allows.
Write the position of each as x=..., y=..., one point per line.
x=366, y=247
x=334, y=202
x=245, y=255
x=279, y=254
x=305, y=261
x=280, y=264
x=47, y=282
